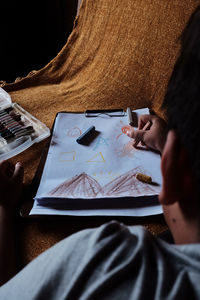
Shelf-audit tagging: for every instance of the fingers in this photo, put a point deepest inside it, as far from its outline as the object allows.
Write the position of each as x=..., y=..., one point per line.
x=143, y=120
x=18, y=173
x=137, y=135
x=3, y=166
x=10, y=171
x=131, y=132
x=6, y=168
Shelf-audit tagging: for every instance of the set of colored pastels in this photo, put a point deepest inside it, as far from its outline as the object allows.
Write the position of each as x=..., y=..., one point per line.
x=19, y=130
x=12, y=126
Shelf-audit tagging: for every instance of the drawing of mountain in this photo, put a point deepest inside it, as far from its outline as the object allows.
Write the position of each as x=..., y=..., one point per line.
x=127, y=185
x=80, y=186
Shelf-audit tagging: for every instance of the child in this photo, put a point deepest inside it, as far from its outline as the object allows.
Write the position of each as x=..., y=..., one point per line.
x=119, y=262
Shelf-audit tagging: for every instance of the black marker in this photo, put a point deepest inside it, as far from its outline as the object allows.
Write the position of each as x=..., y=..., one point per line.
x=85, y=134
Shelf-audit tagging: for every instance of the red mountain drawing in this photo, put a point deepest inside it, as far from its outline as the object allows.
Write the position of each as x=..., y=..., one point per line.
x=84, y=186
x=128, y=185
x=80, y=186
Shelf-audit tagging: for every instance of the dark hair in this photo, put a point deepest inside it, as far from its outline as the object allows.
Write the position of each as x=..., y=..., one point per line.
x=182, y=99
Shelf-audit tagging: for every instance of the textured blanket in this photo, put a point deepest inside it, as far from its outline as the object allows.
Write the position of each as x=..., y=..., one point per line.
x=120, y=53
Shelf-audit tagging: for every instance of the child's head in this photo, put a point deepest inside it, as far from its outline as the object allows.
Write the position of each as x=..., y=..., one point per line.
x=182, y=100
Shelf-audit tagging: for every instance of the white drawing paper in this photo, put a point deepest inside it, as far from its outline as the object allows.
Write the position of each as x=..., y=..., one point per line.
x=106, y=168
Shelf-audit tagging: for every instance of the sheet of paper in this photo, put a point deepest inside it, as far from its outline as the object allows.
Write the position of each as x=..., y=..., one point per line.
x=106, y=168
x=119, y=212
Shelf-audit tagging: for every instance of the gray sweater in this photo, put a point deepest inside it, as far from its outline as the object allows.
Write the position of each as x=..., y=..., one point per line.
x=111, y=262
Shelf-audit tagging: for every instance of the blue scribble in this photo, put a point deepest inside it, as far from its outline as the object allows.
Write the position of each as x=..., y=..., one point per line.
x=100, y=141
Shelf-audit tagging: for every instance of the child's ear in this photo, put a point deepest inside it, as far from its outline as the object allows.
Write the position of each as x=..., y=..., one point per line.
x=177, y=176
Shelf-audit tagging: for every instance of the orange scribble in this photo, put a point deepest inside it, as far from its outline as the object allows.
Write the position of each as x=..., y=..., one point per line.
x=74, y=132
x=118, y=136
x=126, y=151
x=125, y=129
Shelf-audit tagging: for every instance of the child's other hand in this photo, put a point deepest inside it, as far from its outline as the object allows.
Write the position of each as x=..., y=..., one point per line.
x=151, y=132
x=11, y=180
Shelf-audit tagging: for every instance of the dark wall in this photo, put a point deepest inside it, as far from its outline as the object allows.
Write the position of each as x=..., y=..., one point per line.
x=32, y=33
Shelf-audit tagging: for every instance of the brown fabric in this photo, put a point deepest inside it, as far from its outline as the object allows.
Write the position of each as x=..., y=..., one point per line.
x=120, y=53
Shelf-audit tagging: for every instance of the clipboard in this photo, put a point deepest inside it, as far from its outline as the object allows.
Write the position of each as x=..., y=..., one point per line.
x=91, y=114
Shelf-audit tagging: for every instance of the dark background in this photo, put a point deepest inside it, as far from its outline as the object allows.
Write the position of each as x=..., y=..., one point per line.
x=32, y=33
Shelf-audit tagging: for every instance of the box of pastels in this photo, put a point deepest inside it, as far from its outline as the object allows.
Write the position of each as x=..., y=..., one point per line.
x=18, y=128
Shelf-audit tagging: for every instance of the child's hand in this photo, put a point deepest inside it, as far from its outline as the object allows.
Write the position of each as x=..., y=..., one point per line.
x=11, y=180
x=152, y=132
